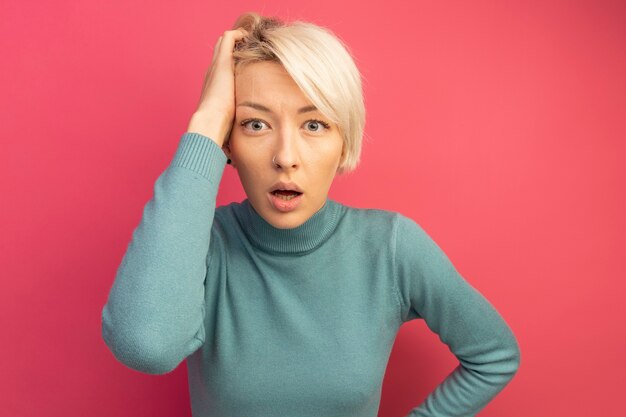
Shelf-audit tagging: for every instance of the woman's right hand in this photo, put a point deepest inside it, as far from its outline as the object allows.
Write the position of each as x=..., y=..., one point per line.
x=216, y=109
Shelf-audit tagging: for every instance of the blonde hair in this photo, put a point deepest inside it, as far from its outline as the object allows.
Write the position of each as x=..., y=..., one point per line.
x=319, y=63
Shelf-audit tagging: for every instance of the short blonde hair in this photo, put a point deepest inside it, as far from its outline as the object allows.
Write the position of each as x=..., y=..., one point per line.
x=319, y=63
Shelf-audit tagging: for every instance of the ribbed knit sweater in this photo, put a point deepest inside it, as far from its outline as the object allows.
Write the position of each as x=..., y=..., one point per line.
x=292, y=322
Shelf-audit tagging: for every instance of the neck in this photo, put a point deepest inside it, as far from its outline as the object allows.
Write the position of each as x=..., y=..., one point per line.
x=309, y=235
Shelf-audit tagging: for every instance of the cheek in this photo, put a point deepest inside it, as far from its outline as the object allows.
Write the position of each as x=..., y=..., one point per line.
x=240, y=150
x=251, y=168
x=327, y=162
x=332, y=155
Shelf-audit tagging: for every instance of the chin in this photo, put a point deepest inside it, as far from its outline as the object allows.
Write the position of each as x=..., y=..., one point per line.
x=286, y=221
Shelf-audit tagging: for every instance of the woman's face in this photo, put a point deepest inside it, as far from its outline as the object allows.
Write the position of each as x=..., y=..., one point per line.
x=274, y=119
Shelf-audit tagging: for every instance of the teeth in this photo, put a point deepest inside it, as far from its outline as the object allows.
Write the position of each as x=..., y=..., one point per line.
x=286, y=197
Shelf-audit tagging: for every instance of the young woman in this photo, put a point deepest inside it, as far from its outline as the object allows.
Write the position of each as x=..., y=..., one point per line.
x=288, y=303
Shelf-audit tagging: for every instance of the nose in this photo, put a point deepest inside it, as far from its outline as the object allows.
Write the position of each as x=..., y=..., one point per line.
x=286, y=155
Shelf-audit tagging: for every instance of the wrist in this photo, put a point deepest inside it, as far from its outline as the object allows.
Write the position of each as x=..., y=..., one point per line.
x=214, y=127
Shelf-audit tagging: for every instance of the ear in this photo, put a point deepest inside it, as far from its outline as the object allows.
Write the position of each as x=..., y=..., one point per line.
x=228, y=152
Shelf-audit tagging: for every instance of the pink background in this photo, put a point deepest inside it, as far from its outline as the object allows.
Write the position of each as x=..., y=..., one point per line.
x=498, y=126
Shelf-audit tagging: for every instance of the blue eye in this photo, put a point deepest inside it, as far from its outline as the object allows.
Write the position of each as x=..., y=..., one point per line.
x=317, y=123
x=256, y=125
x=255, y=122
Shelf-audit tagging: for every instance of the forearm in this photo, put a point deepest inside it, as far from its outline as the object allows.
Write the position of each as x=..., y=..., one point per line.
x=154, y=315
x=471, y=386
x=431, y=288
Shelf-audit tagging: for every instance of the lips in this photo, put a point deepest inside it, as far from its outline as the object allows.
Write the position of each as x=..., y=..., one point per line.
x=286, y=186
x=285, y=192
x=284, y=203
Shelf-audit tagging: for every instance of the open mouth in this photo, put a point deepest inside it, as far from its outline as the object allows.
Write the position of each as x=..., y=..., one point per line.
x=286, y=194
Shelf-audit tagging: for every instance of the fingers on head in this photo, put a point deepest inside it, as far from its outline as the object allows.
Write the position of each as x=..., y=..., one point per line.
x=239, y=32
x=216, y=48
x=235, y=34
x=228, y=39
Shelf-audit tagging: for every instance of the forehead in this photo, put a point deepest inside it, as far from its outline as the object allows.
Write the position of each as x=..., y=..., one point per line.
x=268, y=83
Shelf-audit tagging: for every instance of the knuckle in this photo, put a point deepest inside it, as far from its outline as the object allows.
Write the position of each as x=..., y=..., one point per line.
x=235, y=32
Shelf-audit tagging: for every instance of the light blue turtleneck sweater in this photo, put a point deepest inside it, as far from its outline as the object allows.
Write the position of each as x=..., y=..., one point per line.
x=292, y=322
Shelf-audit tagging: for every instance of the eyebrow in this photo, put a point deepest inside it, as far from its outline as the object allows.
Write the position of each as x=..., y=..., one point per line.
x=261, y=107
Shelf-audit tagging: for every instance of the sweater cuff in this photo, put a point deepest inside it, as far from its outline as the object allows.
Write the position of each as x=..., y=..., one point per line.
x=200, y=154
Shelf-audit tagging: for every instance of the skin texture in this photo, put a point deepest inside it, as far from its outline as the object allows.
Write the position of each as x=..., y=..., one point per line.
x=214, y=116
x=307, y=153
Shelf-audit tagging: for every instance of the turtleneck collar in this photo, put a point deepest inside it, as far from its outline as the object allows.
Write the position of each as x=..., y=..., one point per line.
x=303, y=238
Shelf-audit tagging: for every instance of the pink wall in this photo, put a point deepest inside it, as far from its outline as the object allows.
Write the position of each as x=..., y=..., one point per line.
x=498, y=126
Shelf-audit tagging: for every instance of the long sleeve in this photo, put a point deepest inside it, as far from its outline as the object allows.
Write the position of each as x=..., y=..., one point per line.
x=432, y=289
x=153, y=318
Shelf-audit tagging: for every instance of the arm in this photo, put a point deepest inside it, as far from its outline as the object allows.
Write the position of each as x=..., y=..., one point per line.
x=154, y=314
x=431, y=288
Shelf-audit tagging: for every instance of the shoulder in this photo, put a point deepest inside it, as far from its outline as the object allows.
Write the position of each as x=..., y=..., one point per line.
x=225, y=222
x=375, y=216
x=227, y=210
x=400, y=231
x=226, y=217
x=374, y=221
